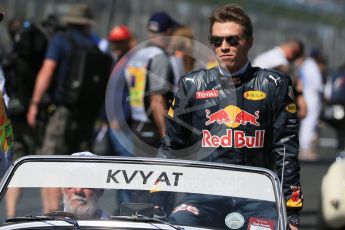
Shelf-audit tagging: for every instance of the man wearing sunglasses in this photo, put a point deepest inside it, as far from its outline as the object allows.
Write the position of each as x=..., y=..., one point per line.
x=235, y=113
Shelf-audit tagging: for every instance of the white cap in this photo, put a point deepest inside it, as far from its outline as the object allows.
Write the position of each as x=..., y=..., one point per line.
x=84, y=154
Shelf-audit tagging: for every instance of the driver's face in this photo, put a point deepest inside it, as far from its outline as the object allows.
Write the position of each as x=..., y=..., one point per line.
x=79, y=196
x=233, y=57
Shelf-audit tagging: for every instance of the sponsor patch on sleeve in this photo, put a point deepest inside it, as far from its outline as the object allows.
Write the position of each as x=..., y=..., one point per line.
x=295, y=200
x=291, y=108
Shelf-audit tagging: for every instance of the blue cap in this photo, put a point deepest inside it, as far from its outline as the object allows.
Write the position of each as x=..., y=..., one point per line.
x=160, y=22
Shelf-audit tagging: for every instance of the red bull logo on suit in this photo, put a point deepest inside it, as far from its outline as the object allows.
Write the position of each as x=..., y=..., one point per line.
x=232, y=116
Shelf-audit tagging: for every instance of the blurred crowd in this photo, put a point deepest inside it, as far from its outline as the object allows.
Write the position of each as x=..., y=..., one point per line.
x=45, y=122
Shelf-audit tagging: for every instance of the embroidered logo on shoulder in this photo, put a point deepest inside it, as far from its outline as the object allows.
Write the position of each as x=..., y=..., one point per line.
x=207, y=94
x=274, y=79
x=291, y=108
x=254, y=95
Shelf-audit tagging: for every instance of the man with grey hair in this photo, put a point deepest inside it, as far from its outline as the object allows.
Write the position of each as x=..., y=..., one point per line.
x=82, y=202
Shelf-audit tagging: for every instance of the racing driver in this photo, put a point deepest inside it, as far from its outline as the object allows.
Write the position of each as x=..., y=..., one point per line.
x=235, y=113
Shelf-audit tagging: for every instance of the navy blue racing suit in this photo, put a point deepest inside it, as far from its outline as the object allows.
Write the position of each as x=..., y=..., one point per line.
x=211, y=211
x=249, y=119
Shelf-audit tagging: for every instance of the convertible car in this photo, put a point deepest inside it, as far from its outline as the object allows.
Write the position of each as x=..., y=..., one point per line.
x=144, y=193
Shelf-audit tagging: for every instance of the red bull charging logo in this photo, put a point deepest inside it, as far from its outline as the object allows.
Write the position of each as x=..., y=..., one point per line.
x=232, y=116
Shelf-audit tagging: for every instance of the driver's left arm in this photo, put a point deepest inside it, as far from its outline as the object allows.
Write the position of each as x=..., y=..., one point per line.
x=286, y=146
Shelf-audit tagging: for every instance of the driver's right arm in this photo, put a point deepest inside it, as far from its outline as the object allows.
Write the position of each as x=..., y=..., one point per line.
x=178, y=122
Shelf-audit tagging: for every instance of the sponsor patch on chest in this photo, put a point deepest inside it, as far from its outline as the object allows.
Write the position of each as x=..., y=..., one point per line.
x=207, y=94
x=254, y=95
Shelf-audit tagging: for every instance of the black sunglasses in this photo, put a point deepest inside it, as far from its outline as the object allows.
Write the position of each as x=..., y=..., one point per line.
x=217, y=41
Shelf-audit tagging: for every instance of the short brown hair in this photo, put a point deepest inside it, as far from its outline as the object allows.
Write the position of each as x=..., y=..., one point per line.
x=232, y=13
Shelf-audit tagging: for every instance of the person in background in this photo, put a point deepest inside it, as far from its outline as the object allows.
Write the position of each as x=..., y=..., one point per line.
x=21, y=66
x=311, y=73
x=121, y=40
x=66, y=131
x=247, y=118
x=334, y=95
x=181, y=50
x=282, y=58
x=150, y=81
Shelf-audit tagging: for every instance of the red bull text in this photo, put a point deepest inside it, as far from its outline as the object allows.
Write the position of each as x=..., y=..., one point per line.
x=233, y=138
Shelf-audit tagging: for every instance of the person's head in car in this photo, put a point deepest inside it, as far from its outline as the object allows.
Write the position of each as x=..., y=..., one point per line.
x=82, y=202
